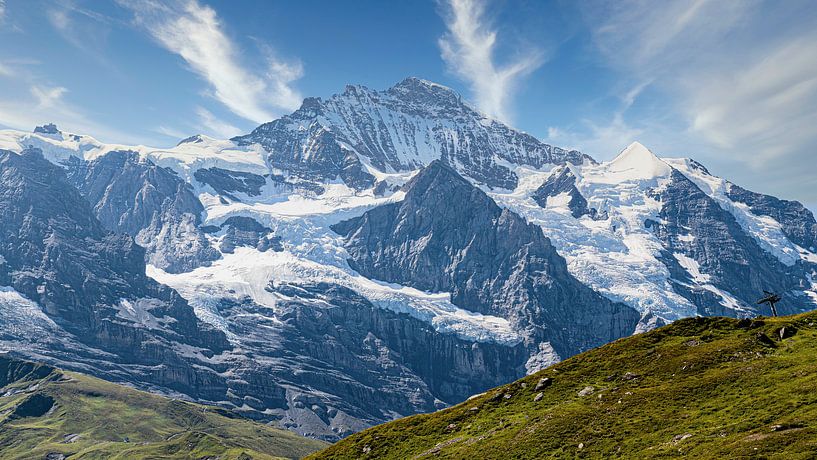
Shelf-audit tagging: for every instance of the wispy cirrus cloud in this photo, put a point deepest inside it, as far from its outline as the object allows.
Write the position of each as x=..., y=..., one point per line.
x=47, y=103
x=468, y=50
x=741, y=76
x=196, y=33
x=214, y=125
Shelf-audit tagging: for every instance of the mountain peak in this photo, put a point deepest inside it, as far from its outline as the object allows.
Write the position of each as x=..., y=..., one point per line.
x=426, y=90
x=638, y=162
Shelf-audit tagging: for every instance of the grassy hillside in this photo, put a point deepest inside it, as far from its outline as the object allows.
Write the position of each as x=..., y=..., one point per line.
x=47, y=411
x=701, y=387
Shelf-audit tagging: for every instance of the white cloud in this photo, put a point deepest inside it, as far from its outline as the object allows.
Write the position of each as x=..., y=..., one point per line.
x=59, y=19
x=47, y=97
x=195, y=32
x=600, y=140
x=47, y=103
x=2, y=9
x=170, y=132
x=740, y=74
x=468, y=50
x=214, y=126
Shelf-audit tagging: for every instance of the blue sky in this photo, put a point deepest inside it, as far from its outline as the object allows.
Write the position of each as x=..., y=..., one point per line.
x=730, y=83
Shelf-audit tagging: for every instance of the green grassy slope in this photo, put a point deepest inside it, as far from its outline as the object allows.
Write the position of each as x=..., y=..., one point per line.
x=44, y=410
x=700, y=387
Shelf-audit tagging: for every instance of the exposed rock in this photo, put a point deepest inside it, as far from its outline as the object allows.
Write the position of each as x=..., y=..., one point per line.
x=544, y=382
x=489, y=259
x=35, y=405
x=681, y=437
x=400, y=129
x=246, y=231
x=563, y=181
x=92, y=282
x=586, y=391
x=797, y=222
x=49, y=128
x=727, y=257
x=786, y=332
x=538, y=397
x=227, y=183
x=134, y=196
x=765, y=340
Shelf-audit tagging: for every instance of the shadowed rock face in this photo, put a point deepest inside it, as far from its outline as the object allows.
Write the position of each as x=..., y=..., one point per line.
x=227, y=182
x=449, y=236
x=246, y=231
x=731, y=259
x=150, y=203
x=369, y=363
x=564, y=181
x=400, y=129
x=796, y=221
x=311, y=154
x=90, y=281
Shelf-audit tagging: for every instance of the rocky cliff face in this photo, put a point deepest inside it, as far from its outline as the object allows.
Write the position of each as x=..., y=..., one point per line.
x=449, y=236
x=401, y=129
x=719, y=254
x=89, y=281
x=562, y=182
x=152, y=204
x=796, y=221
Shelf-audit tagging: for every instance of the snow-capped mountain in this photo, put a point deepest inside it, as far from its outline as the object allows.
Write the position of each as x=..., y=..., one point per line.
x=376, y=254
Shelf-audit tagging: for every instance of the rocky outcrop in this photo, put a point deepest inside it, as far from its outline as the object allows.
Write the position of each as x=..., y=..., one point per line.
x=449, y=236
x=369, y=364
x=227, y=183
x=307, y=150
x=563, y=181
x=246, y=231
x=150, y=203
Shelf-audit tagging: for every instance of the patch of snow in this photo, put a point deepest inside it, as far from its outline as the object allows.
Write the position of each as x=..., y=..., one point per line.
x=691, y=266
x=562, y=200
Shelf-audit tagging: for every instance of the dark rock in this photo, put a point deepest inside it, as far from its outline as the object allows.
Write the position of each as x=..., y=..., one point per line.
x=49, y=128
x=489, y=259
x=786, y=331
x=797, y=222
x=543, y=383
x=765, y=340
x=59, y=255
x=246, y=231
x=35, y=405
x=152, y=204
x=226, y=182
x=731, y=258
x=562, y=180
